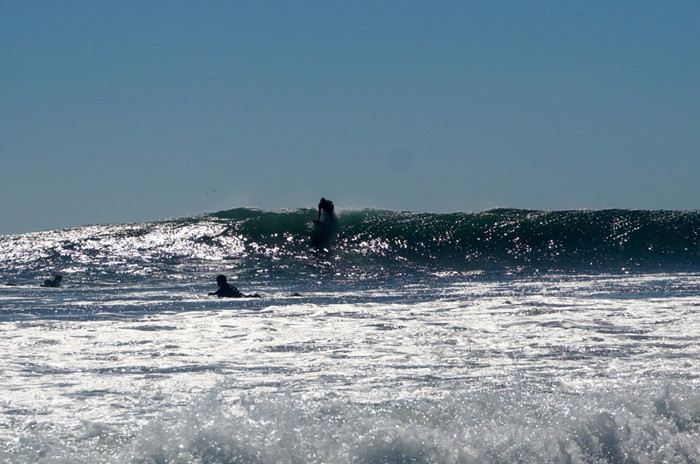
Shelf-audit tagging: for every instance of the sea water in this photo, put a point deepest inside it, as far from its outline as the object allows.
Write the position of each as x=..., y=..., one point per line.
x=496, y=337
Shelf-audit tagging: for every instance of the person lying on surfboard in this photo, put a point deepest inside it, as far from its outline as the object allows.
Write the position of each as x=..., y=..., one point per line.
x=327, y=206
x=226, y=290
x=56, y=282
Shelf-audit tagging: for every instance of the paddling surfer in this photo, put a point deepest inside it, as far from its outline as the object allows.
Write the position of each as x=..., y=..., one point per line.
x=226, y=290
x=56, y=282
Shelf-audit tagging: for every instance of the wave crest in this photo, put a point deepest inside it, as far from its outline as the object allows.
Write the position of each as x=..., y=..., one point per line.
x=502, y=239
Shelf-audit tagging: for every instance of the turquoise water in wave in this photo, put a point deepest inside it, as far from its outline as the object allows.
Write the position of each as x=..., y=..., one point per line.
x=503, y=336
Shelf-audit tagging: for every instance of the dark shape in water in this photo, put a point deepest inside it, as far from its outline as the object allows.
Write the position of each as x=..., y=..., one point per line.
x=226, y=290
x=56, y=282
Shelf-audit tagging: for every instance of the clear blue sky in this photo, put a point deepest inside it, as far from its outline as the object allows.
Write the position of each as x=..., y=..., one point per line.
x=124, y=111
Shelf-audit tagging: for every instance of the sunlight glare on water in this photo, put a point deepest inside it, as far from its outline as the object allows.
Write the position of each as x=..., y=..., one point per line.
x=364, y=347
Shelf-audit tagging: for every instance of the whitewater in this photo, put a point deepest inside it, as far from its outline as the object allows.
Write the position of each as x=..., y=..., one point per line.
x=504, y=336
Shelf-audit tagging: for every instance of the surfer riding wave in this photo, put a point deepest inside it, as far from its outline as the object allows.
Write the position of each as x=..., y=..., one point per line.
x=325, y=211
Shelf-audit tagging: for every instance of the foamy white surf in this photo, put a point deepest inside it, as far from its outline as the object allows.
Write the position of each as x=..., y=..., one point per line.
x=442, y=368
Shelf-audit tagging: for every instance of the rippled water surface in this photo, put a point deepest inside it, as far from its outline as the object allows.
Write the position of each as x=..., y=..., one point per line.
x=529, y=362
x=374, y=344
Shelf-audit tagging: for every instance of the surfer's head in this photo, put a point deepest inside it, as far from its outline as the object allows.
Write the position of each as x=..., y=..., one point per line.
x=221, y=280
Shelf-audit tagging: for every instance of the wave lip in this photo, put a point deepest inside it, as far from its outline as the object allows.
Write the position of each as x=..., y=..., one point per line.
x=500, y=239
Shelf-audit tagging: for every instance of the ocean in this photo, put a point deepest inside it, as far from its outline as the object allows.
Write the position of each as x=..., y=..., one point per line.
x=504, y=336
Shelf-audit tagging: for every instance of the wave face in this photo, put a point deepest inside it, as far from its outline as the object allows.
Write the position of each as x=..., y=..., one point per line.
x=374, y=240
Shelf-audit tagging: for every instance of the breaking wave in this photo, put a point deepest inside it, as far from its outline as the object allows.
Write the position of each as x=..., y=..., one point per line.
x=285, y=241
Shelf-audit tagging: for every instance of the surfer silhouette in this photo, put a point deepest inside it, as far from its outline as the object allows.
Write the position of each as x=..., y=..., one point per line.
x=226, y=290
x=56, y=282
x=327, y=206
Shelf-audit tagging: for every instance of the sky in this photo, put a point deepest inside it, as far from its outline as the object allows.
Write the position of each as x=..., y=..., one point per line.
x=114, y=112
